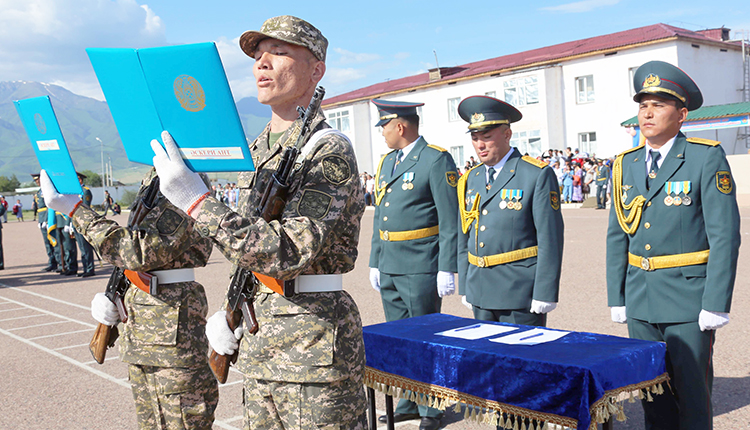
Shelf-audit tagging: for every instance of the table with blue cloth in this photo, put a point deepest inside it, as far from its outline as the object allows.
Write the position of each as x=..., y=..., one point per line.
x=576, y=381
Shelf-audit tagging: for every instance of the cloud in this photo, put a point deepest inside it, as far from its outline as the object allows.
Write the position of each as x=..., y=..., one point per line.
x=580, y=6
x=45, y=40
x=238, y=67
x=339, y=76
x=348, y=57
x=402, y=55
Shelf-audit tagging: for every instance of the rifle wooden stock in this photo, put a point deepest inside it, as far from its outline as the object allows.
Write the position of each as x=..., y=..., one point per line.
x=104, y=338
x=220, y=363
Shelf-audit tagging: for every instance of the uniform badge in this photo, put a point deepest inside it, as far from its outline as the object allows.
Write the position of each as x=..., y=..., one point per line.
x=451, y=178
x=336, y=169
x=651, y=80
x=724, y=181
x=314, y=204
x=477, y=117
x=554, y=200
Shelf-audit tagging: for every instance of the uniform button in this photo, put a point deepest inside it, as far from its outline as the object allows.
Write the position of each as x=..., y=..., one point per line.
x=387, y=204
x=204, y=230
x=647, y=225
x=481, y=244
x=385, y=218
x=648, y=204
x=648, y=247
x=391, y=189
x=484, y=212
x=482, y=228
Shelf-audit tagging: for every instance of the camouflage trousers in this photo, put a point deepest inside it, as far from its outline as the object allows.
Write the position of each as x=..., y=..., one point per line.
x=272, y=405
x=170, y=398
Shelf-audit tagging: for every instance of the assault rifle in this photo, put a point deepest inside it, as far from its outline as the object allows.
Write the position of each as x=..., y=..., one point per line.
x=244, y=283
x=120, y=280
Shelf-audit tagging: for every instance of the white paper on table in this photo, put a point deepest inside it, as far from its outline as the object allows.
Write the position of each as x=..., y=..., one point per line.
x=476, y=331
x=530, y=337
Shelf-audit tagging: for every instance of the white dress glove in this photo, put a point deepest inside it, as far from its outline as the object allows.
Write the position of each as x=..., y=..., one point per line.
x=708, y=320
x=63, y=203
x=44, y=225
x=618, y=314
x=220, y=336
x=104, y=311
x=540, y=307
x=180, y=185
x=375, y=279
x=466, y=303
x=446, y=284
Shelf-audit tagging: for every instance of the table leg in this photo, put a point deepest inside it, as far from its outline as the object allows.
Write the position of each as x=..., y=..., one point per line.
x=371, y=412
x=389, y=412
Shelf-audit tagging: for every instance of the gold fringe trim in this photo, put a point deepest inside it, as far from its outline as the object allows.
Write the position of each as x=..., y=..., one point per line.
x=476, y=409
x=611, y=403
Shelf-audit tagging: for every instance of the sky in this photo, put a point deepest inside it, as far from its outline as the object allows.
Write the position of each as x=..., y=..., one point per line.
x=369, y=42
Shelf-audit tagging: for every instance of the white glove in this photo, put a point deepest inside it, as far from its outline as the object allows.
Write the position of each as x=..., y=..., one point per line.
x=40, y=226
x=44, y=225
x=618, y=314
x=445, y=283
x=63, y=203
x=708, y=320
x=540, y=307
x=220, y=336
x=375, y=278
x=66, y=229
x=466, y=303
x=104, y=311
x=180, y=185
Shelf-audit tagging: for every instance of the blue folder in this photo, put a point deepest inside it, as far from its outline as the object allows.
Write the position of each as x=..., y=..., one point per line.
x=182, y=89
x=41, y=126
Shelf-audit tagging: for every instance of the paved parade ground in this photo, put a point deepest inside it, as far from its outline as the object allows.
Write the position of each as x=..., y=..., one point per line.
x=48, y=379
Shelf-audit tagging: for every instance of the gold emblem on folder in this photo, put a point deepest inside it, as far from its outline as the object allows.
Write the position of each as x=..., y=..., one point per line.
x=189, y=93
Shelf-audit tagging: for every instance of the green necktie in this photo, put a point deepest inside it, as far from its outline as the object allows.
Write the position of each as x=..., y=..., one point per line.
x=399, y=155
x=655, y=156
x=491, y=179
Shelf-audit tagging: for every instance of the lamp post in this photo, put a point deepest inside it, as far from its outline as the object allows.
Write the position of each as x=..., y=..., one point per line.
x=102, y=148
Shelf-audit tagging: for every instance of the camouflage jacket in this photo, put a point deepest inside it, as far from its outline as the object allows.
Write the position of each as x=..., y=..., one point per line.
x=318, y=234
x=168, y=329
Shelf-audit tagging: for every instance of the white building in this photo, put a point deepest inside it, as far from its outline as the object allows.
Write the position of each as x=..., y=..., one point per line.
x=573, y=94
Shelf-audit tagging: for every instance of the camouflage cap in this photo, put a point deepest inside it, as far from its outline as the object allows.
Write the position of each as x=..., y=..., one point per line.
x=289, y=29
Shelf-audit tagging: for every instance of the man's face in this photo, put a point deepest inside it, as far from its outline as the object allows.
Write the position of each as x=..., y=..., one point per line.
x=284, y=73
x=492, y=145
x=391, y=134
x=659, y=118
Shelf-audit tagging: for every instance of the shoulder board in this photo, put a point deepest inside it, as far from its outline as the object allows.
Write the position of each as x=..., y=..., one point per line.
x=531, y=160
x=437, y=148
x=628, y=151
x=708, y=142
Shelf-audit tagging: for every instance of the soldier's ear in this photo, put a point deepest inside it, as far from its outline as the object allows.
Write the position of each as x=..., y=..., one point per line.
x=683, y=115
x=318, y=71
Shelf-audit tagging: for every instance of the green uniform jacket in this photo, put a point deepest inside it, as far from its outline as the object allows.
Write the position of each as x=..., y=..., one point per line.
x=167, y=329
x=86, y=196
x=431, y=201
x=539, y=223
x=602, y=175
x=711, y=221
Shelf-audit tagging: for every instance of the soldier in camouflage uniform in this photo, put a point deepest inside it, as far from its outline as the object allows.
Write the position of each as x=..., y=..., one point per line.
x=304, y=368
x=163, y=340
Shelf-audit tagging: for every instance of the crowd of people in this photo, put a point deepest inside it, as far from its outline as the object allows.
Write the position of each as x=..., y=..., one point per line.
x=226, y=193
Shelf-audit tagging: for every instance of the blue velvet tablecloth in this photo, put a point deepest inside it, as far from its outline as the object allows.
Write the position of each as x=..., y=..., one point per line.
x=564, y=378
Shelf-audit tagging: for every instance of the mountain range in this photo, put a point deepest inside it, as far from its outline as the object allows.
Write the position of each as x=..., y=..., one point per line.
x=82, y=120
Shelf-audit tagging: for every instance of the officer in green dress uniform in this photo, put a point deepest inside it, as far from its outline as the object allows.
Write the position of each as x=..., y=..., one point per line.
x=602, y=178
x=42, y=217
x=511, y=223
x=67, y=243
x=87, y=251
x=672, y=244
x=413, y=254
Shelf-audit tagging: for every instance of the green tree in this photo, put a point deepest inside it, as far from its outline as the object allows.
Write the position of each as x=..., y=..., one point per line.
x=9, y=185
x=93, y=179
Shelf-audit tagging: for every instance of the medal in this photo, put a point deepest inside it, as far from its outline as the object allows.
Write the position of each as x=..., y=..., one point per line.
x=677, y=201
x=668, y=200
x=652, y=175
x=407, y=178
x=503, y=204
x=404, y=186
x=511, y=205
x=410, y=186
x=518, y=206
x=624, y=196
x=687, y=201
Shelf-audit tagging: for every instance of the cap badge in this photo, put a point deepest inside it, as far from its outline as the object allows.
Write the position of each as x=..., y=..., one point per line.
x=477, y=117
x=651, y=80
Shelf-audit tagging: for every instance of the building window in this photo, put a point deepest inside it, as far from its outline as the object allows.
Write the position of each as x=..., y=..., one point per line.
x=457, y=152
x=339, y=120
x=631, y=74
x=453, y=109
x=527, y=142
x=587, y=143
x=421, y=117
x=490, y=94
x=521, y=91
x=585, y=89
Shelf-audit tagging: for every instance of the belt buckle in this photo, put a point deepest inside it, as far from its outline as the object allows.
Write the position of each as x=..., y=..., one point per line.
x=480, y=262
x=385, y=236
x=646, y=264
